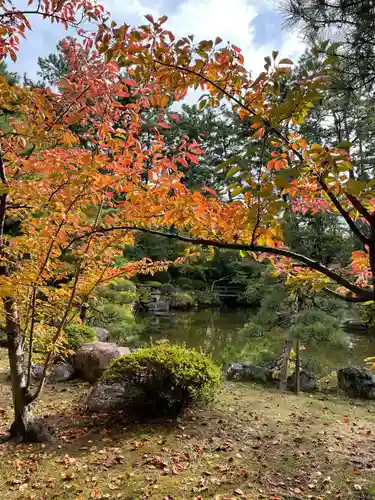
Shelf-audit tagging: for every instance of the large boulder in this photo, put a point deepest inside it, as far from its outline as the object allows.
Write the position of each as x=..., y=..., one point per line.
x=91, y=360
x=246, y=372
x=105, y=397
x=101, y=333
x=357, y=382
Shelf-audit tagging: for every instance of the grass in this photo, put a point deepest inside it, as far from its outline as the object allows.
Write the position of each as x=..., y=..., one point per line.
x=249, y=444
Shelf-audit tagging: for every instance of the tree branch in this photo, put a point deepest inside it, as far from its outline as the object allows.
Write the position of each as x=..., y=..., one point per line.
x=360, y=208
x=366, y=294
x=343, y=212
x=346, y=298
x=233, y=98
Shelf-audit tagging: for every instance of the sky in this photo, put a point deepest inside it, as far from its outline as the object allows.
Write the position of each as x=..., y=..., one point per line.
x=253, y=25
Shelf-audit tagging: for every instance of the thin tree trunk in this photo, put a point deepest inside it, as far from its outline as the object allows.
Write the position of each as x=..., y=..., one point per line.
x=284, y=366
x=83, y=312
x=25, y=426
x=298, y=367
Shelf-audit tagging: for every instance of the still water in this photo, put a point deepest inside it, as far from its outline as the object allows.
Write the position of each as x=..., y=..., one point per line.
x=219, y=332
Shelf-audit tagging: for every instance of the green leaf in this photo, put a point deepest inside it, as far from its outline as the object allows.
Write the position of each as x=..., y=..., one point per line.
x=355, y=187
x=4, y=189
x=237, y=191
x=275, y=53
x=344, y=145
x=28, y=149
x=225, y=163
x=286, y=61
x=232, y=171
x=268, y=60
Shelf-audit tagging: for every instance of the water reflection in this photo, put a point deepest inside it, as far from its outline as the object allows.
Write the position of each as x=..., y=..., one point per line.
x=218, y=331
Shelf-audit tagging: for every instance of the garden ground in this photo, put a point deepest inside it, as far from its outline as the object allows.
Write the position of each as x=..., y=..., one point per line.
x=249, y=444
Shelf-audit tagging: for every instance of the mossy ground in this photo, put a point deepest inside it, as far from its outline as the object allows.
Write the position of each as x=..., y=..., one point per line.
x=249, y=444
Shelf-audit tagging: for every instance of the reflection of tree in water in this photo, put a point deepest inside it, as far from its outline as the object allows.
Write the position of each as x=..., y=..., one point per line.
x=209, y=329
x=220, y=332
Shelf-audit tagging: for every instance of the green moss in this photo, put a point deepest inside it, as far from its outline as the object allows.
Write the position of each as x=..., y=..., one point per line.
x=165, y=378
x=77, y=335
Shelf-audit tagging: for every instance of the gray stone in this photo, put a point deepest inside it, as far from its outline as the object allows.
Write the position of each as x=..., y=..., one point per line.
x=246, y=372
x=159, y=305
x=37, y=371
x=105, y=397
x=357, y=382
x=61, y=372
x=308, y=381
x=91, y=360
x=101, y=333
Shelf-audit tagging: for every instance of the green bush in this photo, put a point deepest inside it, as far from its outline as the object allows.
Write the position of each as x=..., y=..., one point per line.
x=185, y=283
x=182, y=300
x=77, y=335
x=367, y=315
x=164, y=379
x=167, y=289
x=153, y=284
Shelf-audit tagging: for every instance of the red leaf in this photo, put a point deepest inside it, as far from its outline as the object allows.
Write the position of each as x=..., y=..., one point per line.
x=193, y=158
x=175, y=117
x=130, y=82
x=182, y=161
x=163, y=124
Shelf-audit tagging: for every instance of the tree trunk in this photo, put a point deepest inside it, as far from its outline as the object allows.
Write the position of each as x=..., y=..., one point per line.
x=25, y=427
x=284, y=366
x=83, y=312
x=298, y=367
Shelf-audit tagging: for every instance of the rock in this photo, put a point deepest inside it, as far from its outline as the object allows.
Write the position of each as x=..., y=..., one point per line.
x=246, y=372
x=92, y=359
x=61, y=372
x=308, y=381
x=159, y=305
x=105, y=397
x=37, y=371
x=101, y=333
x=357, y=382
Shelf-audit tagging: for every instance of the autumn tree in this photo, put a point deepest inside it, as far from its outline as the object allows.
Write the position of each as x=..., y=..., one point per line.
x=60, y=189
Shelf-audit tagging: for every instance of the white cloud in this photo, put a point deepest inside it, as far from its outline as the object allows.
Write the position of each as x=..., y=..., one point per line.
x=232, y=20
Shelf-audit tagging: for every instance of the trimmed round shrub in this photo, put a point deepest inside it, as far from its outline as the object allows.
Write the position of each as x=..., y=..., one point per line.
x=164, y=379
x=77, y=335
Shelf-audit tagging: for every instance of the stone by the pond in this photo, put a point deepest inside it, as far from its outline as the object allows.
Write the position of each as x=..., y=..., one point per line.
x=307, y=379
x=37, y=371
x=246, y=372
x=92, y=359
x=101, y=333
x=357, y=382
x=105, y=397
x=159, y=305
x=61, y=372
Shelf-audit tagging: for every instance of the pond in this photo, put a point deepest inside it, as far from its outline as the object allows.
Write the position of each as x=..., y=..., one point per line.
x=219, y=332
